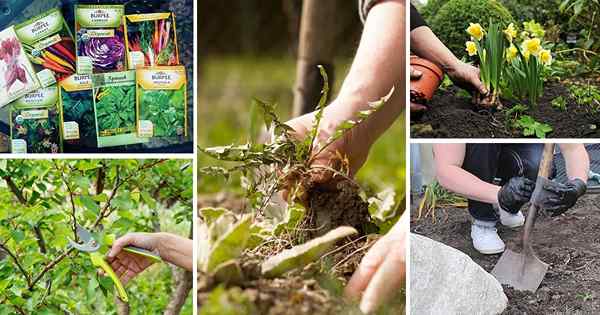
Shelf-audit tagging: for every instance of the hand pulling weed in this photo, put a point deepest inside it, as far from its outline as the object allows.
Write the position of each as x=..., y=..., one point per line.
x=77, y=113
x=151, y=40
x=100, y=38
x=34, y=122
x=49, y=44
x=161, y=102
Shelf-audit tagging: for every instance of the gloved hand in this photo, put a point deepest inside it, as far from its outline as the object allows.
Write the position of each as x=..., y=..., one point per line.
x=566, y=196
x=515, y=193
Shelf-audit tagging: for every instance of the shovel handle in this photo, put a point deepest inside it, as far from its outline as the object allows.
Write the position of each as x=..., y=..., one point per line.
x=544, y=172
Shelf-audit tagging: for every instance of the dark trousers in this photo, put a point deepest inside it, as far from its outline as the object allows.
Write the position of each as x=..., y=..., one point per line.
x=497, y=163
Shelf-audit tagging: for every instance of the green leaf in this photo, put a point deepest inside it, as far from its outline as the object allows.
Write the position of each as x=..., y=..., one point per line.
x=89, y=204
x=230, y=245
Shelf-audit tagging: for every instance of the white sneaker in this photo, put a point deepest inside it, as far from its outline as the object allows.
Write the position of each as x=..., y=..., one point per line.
x=485, y=237
x=509, y=219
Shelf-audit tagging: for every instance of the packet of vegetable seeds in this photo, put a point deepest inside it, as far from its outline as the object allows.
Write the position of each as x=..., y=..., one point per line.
x=34, y=122
x=151, y=40
x=161, y=101
x=114, y=105
x=49, y=45
x=100, y=38
x=17, y=76
x=77, y=113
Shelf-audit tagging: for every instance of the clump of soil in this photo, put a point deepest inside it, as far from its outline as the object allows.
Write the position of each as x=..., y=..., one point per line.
x=451, y=115
x=570, y=244
x=330, y=208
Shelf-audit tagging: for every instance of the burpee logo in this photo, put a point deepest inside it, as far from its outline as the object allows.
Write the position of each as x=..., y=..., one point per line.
x=40, y=27
x=161, y=77
x=99, y=16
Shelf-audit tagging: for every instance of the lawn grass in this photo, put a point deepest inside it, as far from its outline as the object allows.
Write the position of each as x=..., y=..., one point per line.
x=226, y=88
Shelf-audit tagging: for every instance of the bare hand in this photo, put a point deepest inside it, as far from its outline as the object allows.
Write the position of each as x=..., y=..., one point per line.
x=415, y=107
x=128, y=265
x=467, y=77
x=382, y=271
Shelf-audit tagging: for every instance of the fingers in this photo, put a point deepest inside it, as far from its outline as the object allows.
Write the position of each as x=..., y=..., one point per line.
x=415, y=108
x=386, y=282
x=367, y=268
x=119, y=244
x=415, y=74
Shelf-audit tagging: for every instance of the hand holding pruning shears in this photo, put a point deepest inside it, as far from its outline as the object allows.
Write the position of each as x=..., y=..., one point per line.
x=135, y=254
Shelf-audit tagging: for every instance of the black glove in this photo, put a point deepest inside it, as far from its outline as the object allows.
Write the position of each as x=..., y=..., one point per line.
x=565, y=196
x=515, y=193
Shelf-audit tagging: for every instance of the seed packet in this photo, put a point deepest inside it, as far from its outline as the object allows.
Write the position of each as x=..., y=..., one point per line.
x=77, y=113
x=151, y=40
x=161, y=101
x=17, y=76
x=34, y=122
x=49, y=45
x=100, y=38
x=114, y=105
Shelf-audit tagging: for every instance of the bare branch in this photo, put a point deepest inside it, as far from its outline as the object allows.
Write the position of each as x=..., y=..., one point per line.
x=49, y=266
x=17, y=262
x=15, y=190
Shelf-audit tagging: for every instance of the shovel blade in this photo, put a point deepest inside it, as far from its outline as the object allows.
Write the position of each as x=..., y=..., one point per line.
x=524, y=272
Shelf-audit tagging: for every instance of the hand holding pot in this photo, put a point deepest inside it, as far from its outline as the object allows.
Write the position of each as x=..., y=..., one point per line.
x=416, y=75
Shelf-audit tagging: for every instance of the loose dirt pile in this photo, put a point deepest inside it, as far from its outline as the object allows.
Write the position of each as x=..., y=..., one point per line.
x=453, y=116
x=569, y=243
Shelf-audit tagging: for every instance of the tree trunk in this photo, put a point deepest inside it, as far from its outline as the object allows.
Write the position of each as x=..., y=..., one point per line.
x=316, y=47
x=182, y=284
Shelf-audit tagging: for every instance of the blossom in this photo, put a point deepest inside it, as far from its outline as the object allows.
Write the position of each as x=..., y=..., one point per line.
x=471, y=48
x=475, y=30
x=511, y=52
x=546, y=57
x=532, y=46
x=510, y=32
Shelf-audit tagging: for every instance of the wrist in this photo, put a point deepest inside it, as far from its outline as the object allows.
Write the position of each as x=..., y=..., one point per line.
x=161, y=241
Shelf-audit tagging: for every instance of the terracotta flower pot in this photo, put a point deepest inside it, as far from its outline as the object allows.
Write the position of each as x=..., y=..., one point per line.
x=421, y=90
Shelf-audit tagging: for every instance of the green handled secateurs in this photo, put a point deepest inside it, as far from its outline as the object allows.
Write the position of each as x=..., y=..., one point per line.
x=90, y=245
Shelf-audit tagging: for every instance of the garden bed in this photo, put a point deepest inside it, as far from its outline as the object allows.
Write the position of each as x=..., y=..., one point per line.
x=452, y=115
x=570, y=244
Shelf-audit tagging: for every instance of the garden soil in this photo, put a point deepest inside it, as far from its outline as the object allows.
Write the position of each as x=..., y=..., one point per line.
x=453, y=116
x=570, y=244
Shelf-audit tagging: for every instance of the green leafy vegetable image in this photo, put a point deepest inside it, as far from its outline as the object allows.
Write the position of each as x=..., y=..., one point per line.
x=115, y=106
x=78, y=107
x=165, y=109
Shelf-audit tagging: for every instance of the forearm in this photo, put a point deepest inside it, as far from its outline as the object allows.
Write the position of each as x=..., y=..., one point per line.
x=426, y=44
x=461, y=182
x=176, y=250
x=378, y=66
x=577, y=161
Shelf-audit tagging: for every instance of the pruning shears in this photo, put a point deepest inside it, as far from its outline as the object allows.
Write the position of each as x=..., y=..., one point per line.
x=90, y=245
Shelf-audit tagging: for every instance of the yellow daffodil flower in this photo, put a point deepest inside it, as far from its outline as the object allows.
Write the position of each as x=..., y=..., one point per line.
x=524, y=34
x=511, y=53
x=532, y=46
x=546, y=57
x=510, y=32
x=471, y=48
x=475, y=30
x=526, y=55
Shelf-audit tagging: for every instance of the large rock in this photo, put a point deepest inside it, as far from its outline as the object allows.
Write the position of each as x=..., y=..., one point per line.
x=446, y=281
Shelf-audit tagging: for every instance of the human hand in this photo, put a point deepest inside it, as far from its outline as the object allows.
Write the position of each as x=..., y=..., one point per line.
x=382, y=271
x=415, y=107
x=128, y=265
x=467, y=77
x=515, y=193
x=566, y=196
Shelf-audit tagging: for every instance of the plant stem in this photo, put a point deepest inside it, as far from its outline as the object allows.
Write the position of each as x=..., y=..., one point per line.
x=17, y=262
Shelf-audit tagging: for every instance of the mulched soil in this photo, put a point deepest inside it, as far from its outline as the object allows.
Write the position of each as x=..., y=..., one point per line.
x=570, y=244
x=453, y=116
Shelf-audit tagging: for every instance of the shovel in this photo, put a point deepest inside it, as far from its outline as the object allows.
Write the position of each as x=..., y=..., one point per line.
x=524, y=271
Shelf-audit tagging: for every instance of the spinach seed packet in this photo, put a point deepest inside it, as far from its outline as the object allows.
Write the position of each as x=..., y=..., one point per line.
x=100, y=38
x=77, y=113
x=49, y=45
x=162, y=102
x=151, y=40
x=34, y=122
x=114, y=105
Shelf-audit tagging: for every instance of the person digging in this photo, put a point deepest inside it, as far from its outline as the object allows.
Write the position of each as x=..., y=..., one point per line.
x=498, y=179
x=425, y=44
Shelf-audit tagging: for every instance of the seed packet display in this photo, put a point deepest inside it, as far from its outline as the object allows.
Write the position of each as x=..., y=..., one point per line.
x=161, y=101
x=114, y=105
x=100, y=38
x=17, y=76
x=49, y=45
x=34, y=122
x=77, y=113
x=151, y=40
